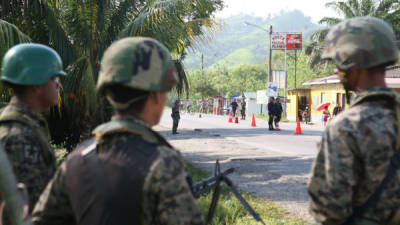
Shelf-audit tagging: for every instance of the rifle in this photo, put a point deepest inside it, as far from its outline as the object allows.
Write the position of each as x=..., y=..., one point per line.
x=17, y=204
x=215, y=182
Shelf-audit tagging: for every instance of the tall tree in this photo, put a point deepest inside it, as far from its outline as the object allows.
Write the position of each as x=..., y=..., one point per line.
x=81, y=30
x=388, y=10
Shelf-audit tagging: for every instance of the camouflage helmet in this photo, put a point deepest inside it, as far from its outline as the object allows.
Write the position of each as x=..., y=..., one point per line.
x=138, y=63
x=30, y=64
x=361, y=42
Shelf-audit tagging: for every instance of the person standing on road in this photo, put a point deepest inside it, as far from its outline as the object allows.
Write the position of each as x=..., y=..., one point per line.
x=175, y=117
x=357, y=147
x=243, y=111
x=326, y=115
x=32, y=71
x=278, y=113
x=271, y=112
x=234, y=106
x=336, y=110
x=127, y=173
x=188, y=105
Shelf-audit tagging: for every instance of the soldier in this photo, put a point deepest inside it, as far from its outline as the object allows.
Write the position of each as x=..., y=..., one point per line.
x=32, y=71
x=278, y=113
x=175, y=117
x=358, y=145
x=271, y=113
x=243, y=109
x=127, y=173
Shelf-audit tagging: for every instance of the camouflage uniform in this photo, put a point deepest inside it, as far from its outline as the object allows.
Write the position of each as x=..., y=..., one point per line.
x=25, y=152
x=164, y=196
x=358, y=144
x=175, y=117
x=23, y=132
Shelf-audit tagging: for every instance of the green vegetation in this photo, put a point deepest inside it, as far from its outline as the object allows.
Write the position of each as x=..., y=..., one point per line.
x=226, y=81
x=388, y=10
x=80, y=31
x=235, y=38
x=230, y=211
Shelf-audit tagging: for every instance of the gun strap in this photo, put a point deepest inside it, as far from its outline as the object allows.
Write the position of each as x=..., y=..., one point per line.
x=214, y=201
x=45, y=147
x=390, y=174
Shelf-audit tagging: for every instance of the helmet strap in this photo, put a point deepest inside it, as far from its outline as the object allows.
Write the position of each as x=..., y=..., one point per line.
x=124, y=105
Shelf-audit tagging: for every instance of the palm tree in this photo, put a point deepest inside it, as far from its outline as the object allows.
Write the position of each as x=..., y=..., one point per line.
x=81, y=30
x=388, y=10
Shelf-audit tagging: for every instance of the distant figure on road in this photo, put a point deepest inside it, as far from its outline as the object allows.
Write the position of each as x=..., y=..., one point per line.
x=305, y=115
x=327, y=115
x=175, y=116
x=337, y=110
x=243, y=111
x=278, y=113
x=234, y=106
x=188, y=105
x=271, y=112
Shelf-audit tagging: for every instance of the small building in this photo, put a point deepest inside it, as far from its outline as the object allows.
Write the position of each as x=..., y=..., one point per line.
x=297, y=101
x=328, y=89
x=251, y=103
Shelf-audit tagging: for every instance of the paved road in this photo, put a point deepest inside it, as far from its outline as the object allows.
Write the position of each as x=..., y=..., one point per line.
x=270, y=164
x=284, y=142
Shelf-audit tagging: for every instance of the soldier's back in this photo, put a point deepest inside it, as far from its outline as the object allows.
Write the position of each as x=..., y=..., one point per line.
x=144, y=183
x=356, y=150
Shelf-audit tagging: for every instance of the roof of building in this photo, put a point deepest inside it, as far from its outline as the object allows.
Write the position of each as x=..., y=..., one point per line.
x=392, y=78
x=393, y=72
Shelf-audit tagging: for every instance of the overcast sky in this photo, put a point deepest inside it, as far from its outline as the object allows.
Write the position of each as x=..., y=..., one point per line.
x=313, y=8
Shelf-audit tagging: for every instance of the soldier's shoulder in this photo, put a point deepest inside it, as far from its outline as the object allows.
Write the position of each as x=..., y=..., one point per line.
x=168, y=162
x=13, y=130
x=363, y=115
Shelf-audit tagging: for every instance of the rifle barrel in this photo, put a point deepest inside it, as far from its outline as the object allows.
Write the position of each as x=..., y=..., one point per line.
x=207, y=184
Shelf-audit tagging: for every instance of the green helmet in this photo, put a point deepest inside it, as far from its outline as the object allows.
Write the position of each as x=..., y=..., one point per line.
x=361, y=42
x=138, y=63
x=30, y=64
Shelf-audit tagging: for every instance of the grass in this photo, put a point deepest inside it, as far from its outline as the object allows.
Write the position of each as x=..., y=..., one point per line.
x=230, y=210
x=60, y=152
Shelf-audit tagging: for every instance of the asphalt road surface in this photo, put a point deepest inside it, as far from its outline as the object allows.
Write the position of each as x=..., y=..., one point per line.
x=271, y=164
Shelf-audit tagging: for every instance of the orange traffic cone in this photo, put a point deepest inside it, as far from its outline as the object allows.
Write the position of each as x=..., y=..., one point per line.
x=253, y=121
x=236, y=120
x=230, y=117
x=298, y=128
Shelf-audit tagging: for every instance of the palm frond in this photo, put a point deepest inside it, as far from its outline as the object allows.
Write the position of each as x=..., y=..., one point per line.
x=58, y=37
x=341, y=8
x=10, y=35
x=330, y=21
x=183, y=85
x=367, y=8
x=118, y=20
x=355, y=7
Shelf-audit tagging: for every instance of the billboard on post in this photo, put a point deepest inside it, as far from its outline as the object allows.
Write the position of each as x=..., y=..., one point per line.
x=272, y=90
x=288, y=41
x=293, y=41
x=278, y=41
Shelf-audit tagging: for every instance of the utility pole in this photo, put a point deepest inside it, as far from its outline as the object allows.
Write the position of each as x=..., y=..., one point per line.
x=270, y=55
x=295, y=67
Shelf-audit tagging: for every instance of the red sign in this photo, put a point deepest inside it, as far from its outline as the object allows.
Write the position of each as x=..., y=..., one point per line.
x=293, y=41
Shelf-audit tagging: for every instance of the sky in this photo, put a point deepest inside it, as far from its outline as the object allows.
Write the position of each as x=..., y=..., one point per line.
x=313, y=8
